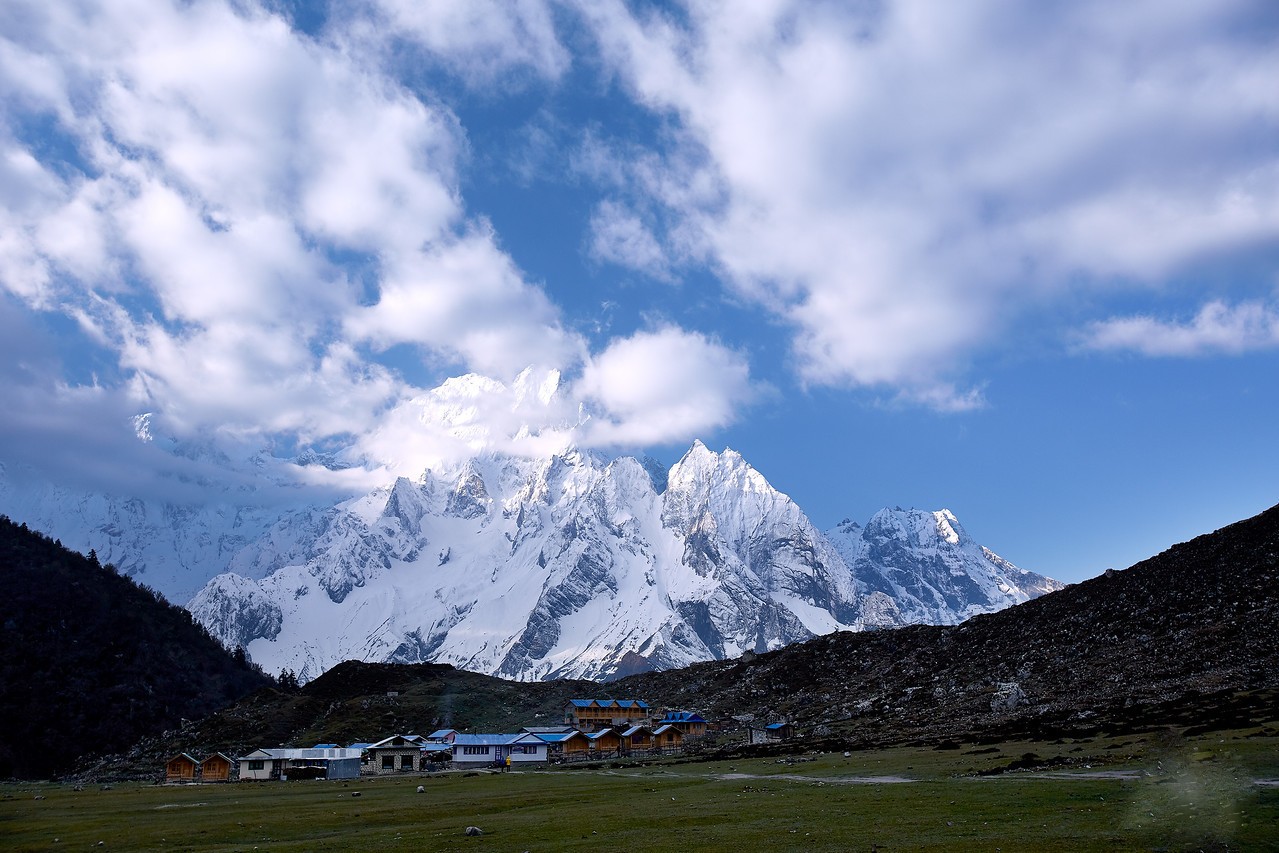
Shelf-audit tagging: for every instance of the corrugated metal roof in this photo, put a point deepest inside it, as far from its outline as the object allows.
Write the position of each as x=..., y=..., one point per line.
x=547, y=730
x=440, y=733
x=776, y=725
x=666, y=728
x=409, y=742
x=484, y=739
x=633, y=729
x=554, y=737
x=305, y=754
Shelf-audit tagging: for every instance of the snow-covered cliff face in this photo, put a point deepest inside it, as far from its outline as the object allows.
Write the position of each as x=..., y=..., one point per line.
x=172, y=547
x=579, y=566
x=931, y=568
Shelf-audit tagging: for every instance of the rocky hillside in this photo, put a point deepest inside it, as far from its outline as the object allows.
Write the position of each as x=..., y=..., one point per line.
x=92, y=662
x=1190, y=635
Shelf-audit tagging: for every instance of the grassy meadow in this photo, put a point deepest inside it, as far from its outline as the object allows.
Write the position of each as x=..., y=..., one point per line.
x=1142, y=792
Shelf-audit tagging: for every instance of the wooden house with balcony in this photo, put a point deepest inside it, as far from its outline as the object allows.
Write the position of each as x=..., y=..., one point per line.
x=590, y=715
x=691, y=723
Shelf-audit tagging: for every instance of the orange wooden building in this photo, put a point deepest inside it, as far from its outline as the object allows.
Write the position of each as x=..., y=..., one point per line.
x=637, y=739
x=216, y=768
x=180, y=768
x=667, y=737
x=605, y=742
x=588, y=715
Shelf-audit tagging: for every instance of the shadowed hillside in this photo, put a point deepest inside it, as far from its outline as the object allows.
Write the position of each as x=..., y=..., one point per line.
x=93, y=662
x=1187, y=636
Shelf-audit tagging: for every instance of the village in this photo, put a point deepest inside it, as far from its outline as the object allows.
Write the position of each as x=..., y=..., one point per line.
x=593, y=730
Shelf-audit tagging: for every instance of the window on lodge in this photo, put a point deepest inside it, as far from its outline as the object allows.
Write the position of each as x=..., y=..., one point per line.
x=388, y=762
x=257, y=765
x=475, y=750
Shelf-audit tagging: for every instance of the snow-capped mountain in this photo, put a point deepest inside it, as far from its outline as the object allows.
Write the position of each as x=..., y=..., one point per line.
x=581, y=566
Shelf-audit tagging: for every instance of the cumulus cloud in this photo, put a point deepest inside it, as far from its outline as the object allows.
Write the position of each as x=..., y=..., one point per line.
x=662, y=385
x=1218, y=328
x=902, y=181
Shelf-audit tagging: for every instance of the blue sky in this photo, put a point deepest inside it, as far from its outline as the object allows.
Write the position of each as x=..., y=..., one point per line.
x=1017, y=260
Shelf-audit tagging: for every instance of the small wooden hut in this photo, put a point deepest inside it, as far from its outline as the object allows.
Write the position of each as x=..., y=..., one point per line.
x=216, y=768
x=637, y=739
x=575, y=745
x=667, y=737
x=180, y=768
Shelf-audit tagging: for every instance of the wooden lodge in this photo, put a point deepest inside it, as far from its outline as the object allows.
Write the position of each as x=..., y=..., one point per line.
x=690, y=723
x=591, y=715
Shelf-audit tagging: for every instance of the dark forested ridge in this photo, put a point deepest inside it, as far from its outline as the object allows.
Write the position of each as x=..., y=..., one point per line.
x=91, y=662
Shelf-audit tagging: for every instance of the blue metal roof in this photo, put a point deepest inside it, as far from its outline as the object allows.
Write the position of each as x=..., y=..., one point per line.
x=440, y=733
x=610, y=703
x=325, y=746
x=683, y=717
x=776, y=725
x=554, y=737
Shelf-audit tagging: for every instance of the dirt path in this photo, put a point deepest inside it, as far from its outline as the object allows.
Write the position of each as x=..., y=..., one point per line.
x=832, y=780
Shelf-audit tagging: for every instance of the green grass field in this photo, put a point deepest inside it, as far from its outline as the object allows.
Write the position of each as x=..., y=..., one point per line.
x=1155, y=792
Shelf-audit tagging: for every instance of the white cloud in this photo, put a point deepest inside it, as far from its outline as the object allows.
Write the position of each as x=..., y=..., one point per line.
x=901, y=181
x=662, y=386
x=1217, y=328
x=619, y=236
x=481, y=40
x=466, y=297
